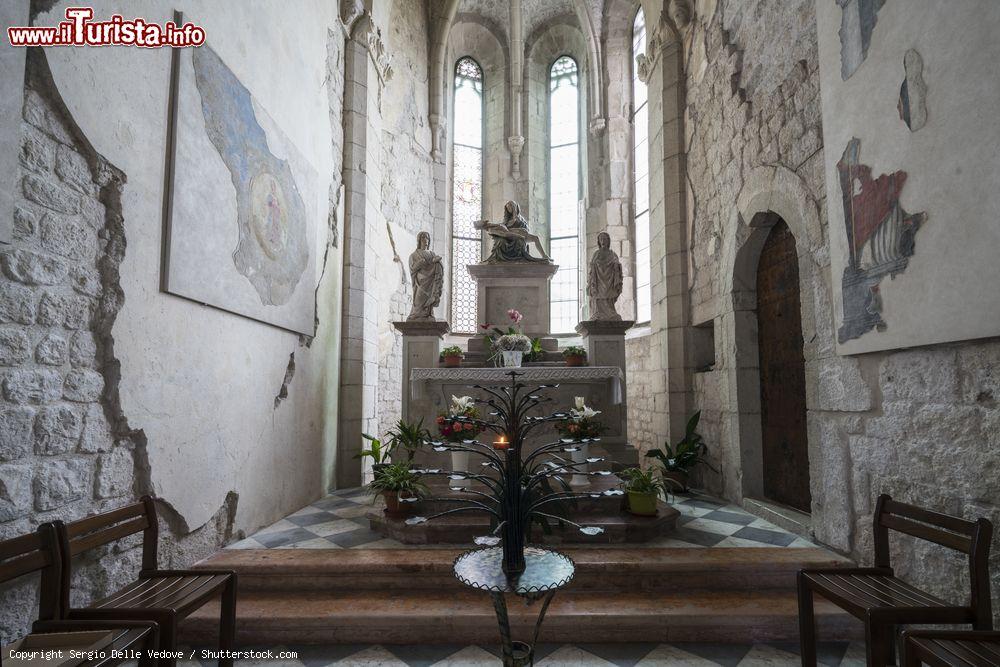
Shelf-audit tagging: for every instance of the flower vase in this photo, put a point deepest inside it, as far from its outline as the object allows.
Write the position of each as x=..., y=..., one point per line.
x=459, y=463
x=512, y=359
x=579, y=478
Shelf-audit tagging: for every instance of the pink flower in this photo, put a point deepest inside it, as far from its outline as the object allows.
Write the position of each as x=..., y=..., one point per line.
x=485, y=327
x=515, y=316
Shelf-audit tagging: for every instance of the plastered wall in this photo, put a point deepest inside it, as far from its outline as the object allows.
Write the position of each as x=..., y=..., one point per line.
x=113, y=388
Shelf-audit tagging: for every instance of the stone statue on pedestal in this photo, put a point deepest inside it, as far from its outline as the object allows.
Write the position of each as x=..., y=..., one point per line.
x=427, y=276
x=511, y=237
x=604, y=281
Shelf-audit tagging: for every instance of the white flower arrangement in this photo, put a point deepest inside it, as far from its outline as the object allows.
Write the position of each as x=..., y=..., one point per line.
x=459, y=404
x=514, y=343
x=581, y=411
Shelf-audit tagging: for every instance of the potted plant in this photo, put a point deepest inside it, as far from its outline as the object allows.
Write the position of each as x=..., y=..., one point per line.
x=411, y=437
x=537, y=351
x=452, y=356
x=643, y=488
x=396, y=482
x=453, y=429
x=508, y=347
x=677, y=461
x=574, y=355
x=378, y=452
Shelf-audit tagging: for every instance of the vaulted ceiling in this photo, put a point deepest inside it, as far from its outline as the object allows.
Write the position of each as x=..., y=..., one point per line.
x=534, y=13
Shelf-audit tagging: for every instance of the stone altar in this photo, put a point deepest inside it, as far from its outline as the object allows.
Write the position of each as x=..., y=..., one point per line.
x=603, y=388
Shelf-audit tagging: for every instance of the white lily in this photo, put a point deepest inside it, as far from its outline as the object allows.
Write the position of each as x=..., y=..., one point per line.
x=584, y=412
x=580, y=405
x=460, y=404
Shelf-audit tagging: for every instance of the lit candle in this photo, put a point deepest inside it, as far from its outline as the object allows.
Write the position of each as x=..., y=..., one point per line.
x=501, y=443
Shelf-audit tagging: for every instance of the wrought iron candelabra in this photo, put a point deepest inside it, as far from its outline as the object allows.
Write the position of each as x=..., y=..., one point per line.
x=519, y=487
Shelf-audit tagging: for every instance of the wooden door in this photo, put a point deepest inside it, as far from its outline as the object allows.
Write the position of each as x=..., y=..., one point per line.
x=782, y=372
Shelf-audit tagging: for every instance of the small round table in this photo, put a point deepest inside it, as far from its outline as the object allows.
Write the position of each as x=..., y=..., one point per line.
x=545, y=572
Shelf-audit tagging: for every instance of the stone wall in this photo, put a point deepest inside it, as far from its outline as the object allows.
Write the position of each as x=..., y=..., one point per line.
x=739, y=119
x=407, y=192
x=64, y=452
x=112, y=389
x=920, y=424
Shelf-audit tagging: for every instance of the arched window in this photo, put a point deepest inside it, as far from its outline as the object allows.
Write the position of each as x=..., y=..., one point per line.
x=564, y=192
x=640, y=167
x=467, y=192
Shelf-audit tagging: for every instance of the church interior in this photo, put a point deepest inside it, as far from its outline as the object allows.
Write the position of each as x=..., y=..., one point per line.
x=478, y=332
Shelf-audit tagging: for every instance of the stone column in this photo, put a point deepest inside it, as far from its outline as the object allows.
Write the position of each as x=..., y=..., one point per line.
x=421, y=349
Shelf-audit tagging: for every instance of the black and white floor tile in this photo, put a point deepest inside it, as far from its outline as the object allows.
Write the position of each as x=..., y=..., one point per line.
x=339, y=522
x=833, y=654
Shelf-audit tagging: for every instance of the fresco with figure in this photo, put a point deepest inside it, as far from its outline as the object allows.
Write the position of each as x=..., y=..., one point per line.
x=243, y=214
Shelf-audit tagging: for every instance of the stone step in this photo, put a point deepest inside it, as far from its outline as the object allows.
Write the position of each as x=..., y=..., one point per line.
x=620, y=527
x=578, y=508
x=663, y=571
x=467, y=617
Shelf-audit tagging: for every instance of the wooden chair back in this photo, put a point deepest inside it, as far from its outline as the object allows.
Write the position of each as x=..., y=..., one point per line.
x=971, y=538
x=94, y=531
x=36, y=552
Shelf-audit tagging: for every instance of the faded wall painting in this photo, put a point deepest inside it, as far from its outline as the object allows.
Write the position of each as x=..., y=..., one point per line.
x=242, y=215
x=881, y=237
x=909, y=147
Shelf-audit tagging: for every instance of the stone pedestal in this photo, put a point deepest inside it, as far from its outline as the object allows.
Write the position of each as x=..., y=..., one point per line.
x=523, y=286
x=604, y=341
x=421, y=349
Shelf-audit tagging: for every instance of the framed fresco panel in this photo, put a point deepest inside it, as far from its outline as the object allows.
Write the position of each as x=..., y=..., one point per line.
x=910, y=135
x=241, y=208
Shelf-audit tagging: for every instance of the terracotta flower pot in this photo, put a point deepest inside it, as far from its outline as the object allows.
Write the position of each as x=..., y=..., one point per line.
x=575, y=360
x=452, y=361
x=642, y=504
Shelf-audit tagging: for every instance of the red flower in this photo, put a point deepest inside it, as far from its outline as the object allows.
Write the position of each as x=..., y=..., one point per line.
x=446, y=430
x=440, y=419
x=486, y=326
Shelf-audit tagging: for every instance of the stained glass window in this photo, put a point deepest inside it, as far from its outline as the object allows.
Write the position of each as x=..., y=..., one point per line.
x=564, y=192
x=640, y=166
x=467, y=192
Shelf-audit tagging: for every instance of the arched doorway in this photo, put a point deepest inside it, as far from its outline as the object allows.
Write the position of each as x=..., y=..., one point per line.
x=784, y=440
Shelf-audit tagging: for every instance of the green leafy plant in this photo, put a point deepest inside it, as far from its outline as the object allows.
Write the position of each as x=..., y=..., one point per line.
x=409, y=436
x=537, y=352
x=377, y=451
x=452, y=351
x=637, y=480
x=574, y=351
x=398, y=478
x=687, y=453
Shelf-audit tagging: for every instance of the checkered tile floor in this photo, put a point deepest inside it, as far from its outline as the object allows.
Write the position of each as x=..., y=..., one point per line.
x=339, y=522
x=832, y=654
